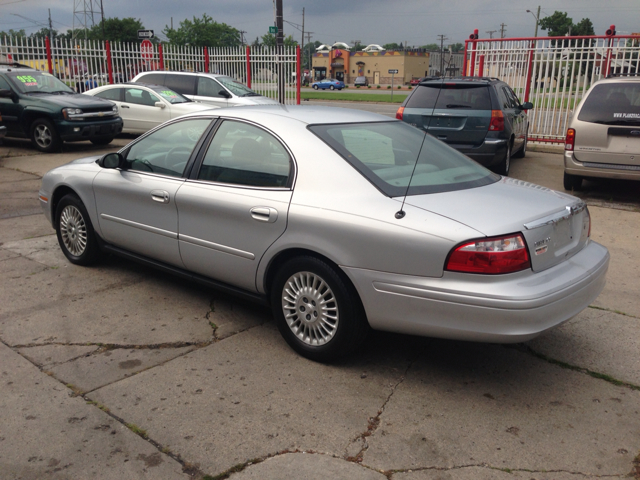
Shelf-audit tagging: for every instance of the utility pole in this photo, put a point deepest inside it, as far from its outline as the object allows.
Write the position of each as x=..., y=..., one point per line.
x=442, y=39
x=302, y=47
x=50, y=28
x=502, y=29
x=280, y=50
x=242, y=32
x=104, y=37
x=491, y=32
x=310, y=64
x=537, y=21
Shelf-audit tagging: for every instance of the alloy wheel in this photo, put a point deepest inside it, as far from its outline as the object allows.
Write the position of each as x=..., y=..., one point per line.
x=43, y=136
x=73, y=230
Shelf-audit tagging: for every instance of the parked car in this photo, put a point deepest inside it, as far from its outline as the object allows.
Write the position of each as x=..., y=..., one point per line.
x=330, y=83
x=3, y=129
x=339, y=219
x=361, y=81
x=212, y=89
x=143, y=107
x=603, y=138
x=38, y=106
x=480, y=117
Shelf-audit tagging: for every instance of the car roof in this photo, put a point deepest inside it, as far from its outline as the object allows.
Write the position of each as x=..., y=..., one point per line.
x=13, y=65
x=485, y=80
x=202, y=74
x=307, y=114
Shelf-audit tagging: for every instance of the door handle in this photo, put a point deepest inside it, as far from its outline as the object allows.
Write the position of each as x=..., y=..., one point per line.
x=160, y=196
x=264, y=214
x=124, y=106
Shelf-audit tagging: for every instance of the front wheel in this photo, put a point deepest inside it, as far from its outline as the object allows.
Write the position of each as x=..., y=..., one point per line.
x=44, y=136
x=317, y=310
x=76, y=236
x=315, y=87
x=102, y=141
x=332, y=87
x=572, y=182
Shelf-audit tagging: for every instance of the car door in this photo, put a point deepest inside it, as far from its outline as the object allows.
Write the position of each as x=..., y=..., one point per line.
x=516, y=116
x=11, y=111
x=142, y=111
x=235, y=204
x=208, y=91
x=136, y=205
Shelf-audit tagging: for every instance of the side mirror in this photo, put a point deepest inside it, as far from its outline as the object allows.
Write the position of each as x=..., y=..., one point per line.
x=224, y=93
x=111, y=160
x=160, y=105
x=8, y=94
x=527, y=106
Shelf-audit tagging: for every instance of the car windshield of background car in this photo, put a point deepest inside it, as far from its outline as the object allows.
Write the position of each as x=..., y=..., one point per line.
x=386, y=152
x=453, y=96
x=236, y=87
x=171, y=96
x=612, y=104
x=38, y=82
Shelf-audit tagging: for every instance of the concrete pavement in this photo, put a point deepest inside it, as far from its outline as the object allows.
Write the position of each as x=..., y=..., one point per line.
x=117, y=371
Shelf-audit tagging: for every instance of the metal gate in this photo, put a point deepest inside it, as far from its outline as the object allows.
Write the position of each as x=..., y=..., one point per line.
x=85, y=64
x=553, y=73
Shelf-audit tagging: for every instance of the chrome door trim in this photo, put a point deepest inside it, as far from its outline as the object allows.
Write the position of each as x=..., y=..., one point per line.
x=141, y=226
x=217, y=246
x=557, y=217
x=264, y=214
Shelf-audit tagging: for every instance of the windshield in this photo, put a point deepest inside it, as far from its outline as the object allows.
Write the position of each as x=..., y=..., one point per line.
x=38, y=82
x=236, y=87
x=612, y=104
x=386, y=152
x=169, y=95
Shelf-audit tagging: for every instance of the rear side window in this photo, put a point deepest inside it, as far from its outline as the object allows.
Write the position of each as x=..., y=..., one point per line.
x=114, y=94
x=386, y=154
x=184, y=84
x=208, y=87
x=456, y=96
x=154, y=78
x=612, y=104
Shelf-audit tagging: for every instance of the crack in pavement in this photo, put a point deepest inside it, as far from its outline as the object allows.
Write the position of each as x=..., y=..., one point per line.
x=374, y=422
x=390, y=473
x=613, y=311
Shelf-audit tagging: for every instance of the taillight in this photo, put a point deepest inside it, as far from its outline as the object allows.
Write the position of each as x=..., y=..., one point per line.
x=399, y=113
x=506, y=254
x=497, y=121
x=570, y=139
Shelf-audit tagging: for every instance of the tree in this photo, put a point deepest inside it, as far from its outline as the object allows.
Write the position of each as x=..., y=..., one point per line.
x=117, y=30
x=203, y=32
x=584, y=27
x=393, y=46
x=457, y=47
x=269, y=40
x=558, y=24
x=431, y=47
x=13, y=33
x=307, y=54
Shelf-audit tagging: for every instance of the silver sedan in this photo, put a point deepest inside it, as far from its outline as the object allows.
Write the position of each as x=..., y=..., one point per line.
x=341, y=220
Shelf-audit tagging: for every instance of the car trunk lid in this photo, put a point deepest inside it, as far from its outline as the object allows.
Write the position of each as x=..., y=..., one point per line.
x=555, y=225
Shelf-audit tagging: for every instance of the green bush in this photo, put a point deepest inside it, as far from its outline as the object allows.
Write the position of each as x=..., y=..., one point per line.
x=399, y=87
x=378, y=86
x=357, y=86
x=388, y=87
x=368, y=86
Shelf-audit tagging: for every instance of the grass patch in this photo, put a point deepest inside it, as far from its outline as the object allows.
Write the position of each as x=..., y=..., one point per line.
x=137, y=430
x=353, y=97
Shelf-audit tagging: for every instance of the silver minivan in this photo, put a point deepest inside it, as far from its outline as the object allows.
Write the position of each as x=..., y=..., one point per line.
x=210, y=88
x=603, y=138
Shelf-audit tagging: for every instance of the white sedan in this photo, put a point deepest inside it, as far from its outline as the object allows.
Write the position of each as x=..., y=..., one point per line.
x=143, y=107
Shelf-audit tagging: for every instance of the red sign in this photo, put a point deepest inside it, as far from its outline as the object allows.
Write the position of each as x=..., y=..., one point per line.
x=146, y=49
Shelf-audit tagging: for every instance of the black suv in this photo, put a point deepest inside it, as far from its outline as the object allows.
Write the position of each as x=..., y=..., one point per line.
x=480, y=117
x=36, y=105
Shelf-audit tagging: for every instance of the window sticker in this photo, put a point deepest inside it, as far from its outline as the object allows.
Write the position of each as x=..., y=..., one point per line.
x=626, y=115
x=168, y=93
x=28, y=80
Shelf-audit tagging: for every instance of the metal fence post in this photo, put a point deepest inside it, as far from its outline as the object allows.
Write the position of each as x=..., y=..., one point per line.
x=248, y=67
x=298, y=74
x=109, y=66
x=161, y=55
x=48, y=46
x=206, y=60
x=527, y=88
x=465, y=63
x=481, y=66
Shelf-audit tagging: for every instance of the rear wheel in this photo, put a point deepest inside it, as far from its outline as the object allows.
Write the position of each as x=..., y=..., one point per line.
x=505, y=164
x=102, y=141
x=572, y=182
x=44, y=136
x=75, y=232
x=523, y=151
x=332, y=87
x=315, y=87
x=317, y=310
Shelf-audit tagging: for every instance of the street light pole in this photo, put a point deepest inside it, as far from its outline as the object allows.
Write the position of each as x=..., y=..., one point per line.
x=537, y=17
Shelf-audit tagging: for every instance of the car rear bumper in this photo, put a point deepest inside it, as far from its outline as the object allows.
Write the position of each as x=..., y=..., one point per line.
x=501, y=308
x=600, y=170
x=76, y=131
x=491, y=151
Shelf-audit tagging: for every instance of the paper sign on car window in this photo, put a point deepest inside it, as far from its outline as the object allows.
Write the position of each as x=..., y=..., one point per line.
x=28, y=80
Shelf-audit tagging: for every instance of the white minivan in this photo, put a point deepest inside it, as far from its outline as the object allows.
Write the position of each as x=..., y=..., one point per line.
x=212, y=89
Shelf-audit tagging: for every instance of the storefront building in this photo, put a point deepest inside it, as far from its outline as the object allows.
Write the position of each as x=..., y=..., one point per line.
x=344, y=65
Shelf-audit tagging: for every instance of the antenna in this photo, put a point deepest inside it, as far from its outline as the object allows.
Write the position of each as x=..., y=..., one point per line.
x=401, y=213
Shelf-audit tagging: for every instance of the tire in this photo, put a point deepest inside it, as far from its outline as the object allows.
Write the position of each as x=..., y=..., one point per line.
x=102, y=141
x=315, y=87
x=523, y=151
x=76, y=236
x=332, y=87
x=572, y=182
x=299, y=288
x=44, y=136
x=505, y=164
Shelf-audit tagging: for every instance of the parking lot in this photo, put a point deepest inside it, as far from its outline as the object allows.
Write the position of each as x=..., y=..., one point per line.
x=119, y=371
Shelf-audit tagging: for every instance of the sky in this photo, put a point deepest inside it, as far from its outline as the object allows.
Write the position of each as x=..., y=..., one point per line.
x=416, y=22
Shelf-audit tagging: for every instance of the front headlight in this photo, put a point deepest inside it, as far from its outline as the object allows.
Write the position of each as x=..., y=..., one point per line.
x=71, y=113
x=115, y=109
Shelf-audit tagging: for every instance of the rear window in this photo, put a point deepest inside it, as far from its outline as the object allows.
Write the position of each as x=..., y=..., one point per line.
x=612, y=104
x=452, y=96
x=184, y=84
x=386, y=153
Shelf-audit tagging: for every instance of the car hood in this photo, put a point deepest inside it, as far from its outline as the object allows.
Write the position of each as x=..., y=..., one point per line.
x=496, y=209
x=75, y=100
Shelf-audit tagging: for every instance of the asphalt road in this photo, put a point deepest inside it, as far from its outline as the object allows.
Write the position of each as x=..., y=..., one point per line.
x=117, y=371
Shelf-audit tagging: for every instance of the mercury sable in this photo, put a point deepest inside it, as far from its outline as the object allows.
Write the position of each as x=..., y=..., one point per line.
x=341, y=220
